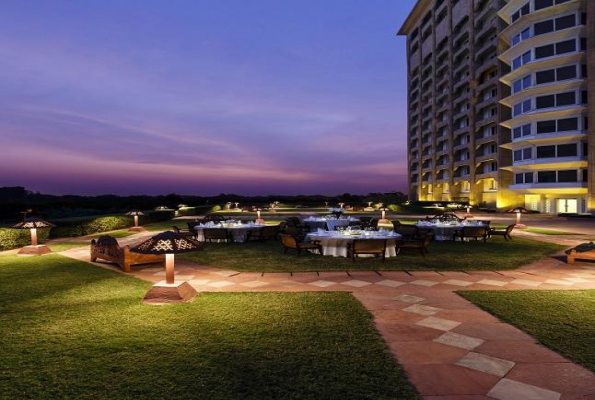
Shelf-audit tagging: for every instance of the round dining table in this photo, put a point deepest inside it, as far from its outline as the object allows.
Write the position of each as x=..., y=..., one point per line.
x=335, y=243
x=239, y=232
x=330, y=224
x=443, y=231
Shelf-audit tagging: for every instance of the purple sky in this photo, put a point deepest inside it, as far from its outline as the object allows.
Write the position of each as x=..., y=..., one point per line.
x=203, y=96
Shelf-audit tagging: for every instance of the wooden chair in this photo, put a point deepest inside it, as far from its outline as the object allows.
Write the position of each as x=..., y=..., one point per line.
x=264, y=233
x=585, y=251
x=502, y=232
x=485, y=222
x=293, y=243
x=396, y=224
x=217, y=234
x=420, y=244
x=409, y=232
x=376, y=247
x=471, y=232
x=185, y=232
x=107, y=248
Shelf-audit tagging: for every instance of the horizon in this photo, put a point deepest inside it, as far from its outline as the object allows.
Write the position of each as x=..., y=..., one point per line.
x=142, y=98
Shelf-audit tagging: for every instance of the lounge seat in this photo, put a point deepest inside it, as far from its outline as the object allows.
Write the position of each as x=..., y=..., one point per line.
x=471, y=232
x=107, y=248
x=502, y=232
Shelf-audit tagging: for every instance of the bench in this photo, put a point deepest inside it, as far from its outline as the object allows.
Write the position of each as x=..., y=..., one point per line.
x=107, y=248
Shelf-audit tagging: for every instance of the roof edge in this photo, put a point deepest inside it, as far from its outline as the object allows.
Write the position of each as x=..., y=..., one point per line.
x=419, y=8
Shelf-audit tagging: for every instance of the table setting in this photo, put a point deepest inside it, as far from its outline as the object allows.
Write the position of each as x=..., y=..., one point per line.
x=444, y=230
x=329, y=222
x=239, y=230
x=334, y=243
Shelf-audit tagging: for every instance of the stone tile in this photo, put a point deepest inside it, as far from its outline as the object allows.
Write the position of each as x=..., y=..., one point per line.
x=184, y=277
x=449, y=380
x=322, y=283
x=405, y=332
x=406, y=298
x=508, y=389
x=225, y=273
x=558, y=282
x=199, y=282
x=577, y=280
x=526, y=282
x=422, y=310
x=356, y=283
x=487, y=364
x=567, y=377
x=422, y=282
x=466, y=315
x=460, y=341
x=438, y=323
x=254, y=284
x=290, y=283
x=221, y=284
x=390, y=283
x=418, y=353
x=492, y=282
x=492, y=331
x=520, y=351
x=457, y=282
x=459, y=397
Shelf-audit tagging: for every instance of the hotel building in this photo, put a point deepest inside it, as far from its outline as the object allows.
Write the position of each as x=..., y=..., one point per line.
x=498, y=98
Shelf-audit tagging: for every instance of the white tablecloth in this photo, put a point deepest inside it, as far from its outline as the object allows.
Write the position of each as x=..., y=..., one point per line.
x=330, y=224
x=239, y=234
x=336, y=245
x=443, y=232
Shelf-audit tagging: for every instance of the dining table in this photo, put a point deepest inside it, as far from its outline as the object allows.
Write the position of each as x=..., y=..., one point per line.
x=328, y=223
x=239, y=231
x=335, y=243
x=444, y=231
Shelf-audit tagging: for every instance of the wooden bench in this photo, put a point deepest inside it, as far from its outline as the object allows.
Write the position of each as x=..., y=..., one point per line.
x=107, y=248
x=573, y=255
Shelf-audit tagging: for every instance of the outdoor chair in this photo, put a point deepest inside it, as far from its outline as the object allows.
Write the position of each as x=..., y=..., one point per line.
x=264, y=233
x=420, y=244
x=471, y=232
x=107, y=248
x=408, y=232
x=485, y=222
x=376, y=247
x=293, y=243
x=185, y=232
x=374, y=223
x=191, y=225
x=217, y=234
x=502, y=232
x=396, y=224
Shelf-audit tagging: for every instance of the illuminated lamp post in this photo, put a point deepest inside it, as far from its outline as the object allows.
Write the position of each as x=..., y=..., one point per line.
x=169, y=243
x=383, y=220
x=518, y=211
x=136, y=214
x=468, y=207
x=33, y=224
x=259, y=220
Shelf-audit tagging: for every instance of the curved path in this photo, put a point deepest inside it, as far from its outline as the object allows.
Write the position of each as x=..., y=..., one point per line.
x=449, y=348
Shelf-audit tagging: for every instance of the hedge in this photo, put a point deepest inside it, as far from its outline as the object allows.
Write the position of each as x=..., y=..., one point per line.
x=91, y=225
x=13, y=238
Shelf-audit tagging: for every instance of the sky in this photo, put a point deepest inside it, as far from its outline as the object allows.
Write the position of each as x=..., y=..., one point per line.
x=203, y=97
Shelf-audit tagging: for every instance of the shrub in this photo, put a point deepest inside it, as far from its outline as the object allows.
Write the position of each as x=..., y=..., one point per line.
x=393, y=207
x=13, y=238
x=215, y=209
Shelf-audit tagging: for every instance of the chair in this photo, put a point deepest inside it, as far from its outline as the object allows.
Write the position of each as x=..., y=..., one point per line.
x=408, y=232
x=185, y=232
x=217, y=234
x=376, y=247
x=420, y=244
x=107, y=248
x=264, y=233
x=471, y=232
x=484, y=222
x=374, y=223
x=396, y=224
x=191, y=225
x=293, y=243
x=502, y=232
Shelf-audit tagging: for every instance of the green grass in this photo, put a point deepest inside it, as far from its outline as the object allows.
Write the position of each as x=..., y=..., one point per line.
x=561, y=320
x=72, y=330
x=552, y=232
x=63, y=246
x=494, y=255
x=116, y=234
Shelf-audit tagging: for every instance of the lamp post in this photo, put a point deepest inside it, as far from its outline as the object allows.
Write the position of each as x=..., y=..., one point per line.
x=518, y=211
x=136, y=214
x=169, y=244
x=468, y=210
x=33, y=224
x=383, y=220
x=259, y=220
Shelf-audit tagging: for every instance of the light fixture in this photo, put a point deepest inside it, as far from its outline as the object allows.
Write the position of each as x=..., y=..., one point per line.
x=169, y=243
x=518, y=211
x=136, y=214
x=33, y=224
x=383, y=220
x=259, y=220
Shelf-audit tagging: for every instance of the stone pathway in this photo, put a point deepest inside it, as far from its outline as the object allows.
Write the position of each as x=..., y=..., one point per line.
x=449, y=348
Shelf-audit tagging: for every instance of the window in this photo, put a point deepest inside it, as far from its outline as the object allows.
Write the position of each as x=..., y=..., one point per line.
x=543, y=27
x=546, y=151
x=522, y=107
x=526, y=177
x=565, y=99
x=565, y=22
x=546, y=126
x=542, y=77
x=566, y=73
x=523, y=154
x=545, y=101
x=521, y=60
x=524, y=35
x=539, y=4
x=524, y=130
x=567, y=176
x=558, y=100
x=567, y=150
x=567, y=46
x=584, y=97
x=544, y=51
x=524, y=10
x=522, y=84
x=546, y=176
x=568, y=124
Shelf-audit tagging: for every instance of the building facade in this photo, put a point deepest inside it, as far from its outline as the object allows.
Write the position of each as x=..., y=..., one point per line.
x=498, y=101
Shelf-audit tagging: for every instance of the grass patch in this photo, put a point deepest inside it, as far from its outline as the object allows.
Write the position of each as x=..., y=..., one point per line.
x=494, y=255
x=72, y=330
x=561, y=320
x=115, y=234
x=63, y=246
x=552, y=232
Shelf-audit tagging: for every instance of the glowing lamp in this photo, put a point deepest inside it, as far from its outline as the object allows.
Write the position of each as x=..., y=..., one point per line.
x=33, y=224
x=518, y=211
x=259, y=220
x=169, y=243
x=136, y=214
x=383, y=219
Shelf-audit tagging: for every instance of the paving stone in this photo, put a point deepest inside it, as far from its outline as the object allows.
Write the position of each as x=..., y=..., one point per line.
x=577, y=280
x=422, y=282
x=460, y=341
x=558, y=282
x=254, y=284
x=422, y=310
x=526, y=282
x=492, y=282
x=449, y=380
x=322, y=283
x=457, y=282
x=487, y=364
x=390, y=283
x=439, y=323
x=520, y=351
x=221, y=284
x=224, y=273
x=417, y=353
x=290, y=283
x=356, y=283
x=199, y=282
x=406, y=298
x=508, y=389
x=566, y=377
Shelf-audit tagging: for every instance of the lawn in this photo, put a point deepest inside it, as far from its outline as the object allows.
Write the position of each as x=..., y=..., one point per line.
x=561, y=320
x=115, y=234
x=63, y=246
x=72, y=330
x=551, y=232
x=268, y=257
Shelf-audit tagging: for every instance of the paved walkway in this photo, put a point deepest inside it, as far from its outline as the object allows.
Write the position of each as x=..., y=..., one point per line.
x=449, y=348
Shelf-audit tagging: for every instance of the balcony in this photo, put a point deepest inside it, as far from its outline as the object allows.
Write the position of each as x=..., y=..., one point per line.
x=485, y=157
x=485, y=139
x=487, y=27
x=486, y=121
x=487, y=83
